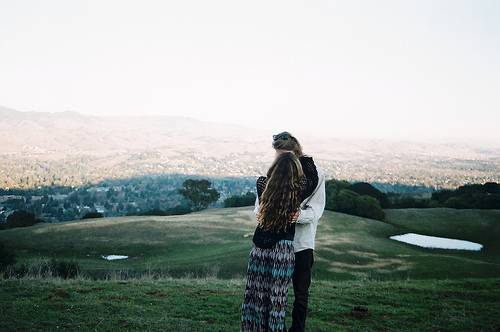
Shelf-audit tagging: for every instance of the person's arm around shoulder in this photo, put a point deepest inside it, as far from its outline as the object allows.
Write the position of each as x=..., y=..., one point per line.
x=256, y=207
x=315, y=207
x=260, y=184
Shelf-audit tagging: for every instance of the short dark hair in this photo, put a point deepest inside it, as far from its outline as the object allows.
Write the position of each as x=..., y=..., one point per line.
x=286, y=141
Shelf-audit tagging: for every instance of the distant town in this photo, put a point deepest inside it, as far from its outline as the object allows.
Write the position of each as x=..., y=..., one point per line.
x=32, y=171
x=112, y=197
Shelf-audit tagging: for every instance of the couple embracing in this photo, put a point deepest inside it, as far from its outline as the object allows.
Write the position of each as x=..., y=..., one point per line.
x=290, y=201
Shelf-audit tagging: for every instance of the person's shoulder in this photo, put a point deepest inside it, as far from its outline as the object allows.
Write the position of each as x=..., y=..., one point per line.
x=308, y=165
x=306, y=157
x=307, y=160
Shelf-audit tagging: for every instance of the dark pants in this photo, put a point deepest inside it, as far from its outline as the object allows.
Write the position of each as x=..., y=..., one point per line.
x=301, y=281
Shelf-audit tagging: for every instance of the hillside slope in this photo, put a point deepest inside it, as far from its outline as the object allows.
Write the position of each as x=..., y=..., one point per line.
x=216, y=243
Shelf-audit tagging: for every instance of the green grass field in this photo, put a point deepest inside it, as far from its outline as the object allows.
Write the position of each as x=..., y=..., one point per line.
x=362, y=281
x=214, y=305
x=216, y=243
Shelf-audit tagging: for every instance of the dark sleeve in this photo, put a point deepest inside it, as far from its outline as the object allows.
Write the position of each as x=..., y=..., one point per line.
x=261, y=185
x=311, y=174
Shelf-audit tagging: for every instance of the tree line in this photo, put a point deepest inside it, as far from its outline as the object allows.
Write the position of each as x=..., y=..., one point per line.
x=360, y=199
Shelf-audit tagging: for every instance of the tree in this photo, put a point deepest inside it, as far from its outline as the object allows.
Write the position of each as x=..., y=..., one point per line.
x=21, y=218
x=344, y=201
x=364, y=188
x=199, y=193
x=442, y=195
x=369, y=207
x=240, y=200
x=470, y=196
x=340, y=198
x=492, y=187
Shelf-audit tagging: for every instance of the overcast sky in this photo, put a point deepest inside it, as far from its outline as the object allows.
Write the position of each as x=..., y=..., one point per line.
x=392, y=69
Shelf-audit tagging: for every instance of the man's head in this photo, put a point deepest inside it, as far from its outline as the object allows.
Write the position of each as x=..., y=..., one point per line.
x=285, y=142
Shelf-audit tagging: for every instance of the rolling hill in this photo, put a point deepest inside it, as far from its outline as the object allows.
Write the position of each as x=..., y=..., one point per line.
x=216, y=243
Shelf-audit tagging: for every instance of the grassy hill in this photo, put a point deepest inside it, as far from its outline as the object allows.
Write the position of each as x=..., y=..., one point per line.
x=216, y=243
x=363, y=281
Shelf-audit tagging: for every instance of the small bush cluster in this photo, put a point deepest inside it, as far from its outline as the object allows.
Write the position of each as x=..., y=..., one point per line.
x=240, y=200
x=43, y=268
x=177, y=210
x=7, y=257
x=363, y=199
x=92, y=215
x=470, y=196
x=21, y=218
x=342, y=197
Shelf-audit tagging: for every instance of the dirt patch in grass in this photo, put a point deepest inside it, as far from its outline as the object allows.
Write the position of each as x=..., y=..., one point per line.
x=58, y=293
x=378, y=264
x=114, y=297
x=83, y=290
x=361, y=253
x=156, y=293
x=360, y=312
x=331, y=240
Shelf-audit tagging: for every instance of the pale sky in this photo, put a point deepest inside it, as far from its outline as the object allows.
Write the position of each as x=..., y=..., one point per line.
x=388, y=69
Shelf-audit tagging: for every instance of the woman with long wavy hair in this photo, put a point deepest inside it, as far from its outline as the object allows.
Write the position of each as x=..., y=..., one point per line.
x=271, y=261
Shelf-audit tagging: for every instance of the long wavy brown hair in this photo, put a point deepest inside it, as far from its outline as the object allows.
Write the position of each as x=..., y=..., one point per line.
x=281, y=197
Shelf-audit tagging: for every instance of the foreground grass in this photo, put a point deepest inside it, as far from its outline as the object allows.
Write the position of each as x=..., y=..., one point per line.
x=214, y=305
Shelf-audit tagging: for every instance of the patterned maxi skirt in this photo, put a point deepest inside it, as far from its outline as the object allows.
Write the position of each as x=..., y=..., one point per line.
x=269, y=274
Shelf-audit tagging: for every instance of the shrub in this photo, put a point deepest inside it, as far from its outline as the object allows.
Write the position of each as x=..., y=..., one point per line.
x=64, y=269
x=332, y=186
x=45, y=268
x=471, y=196
x=7, y=257
x=442, y=195
x=152, y=212
x=177, y=210
x=492, y=187
x=367, y=189
x=344, y=201
x=369, y=207
x=91, y=215
x=490, y=201
x=240, y=200
x=21, y=218
x=474, y=201
x=341, y=199
x=405, y=202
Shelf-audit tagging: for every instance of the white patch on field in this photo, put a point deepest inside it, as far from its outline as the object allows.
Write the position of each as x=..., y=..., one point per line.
x=436, y=242
x=114, y=257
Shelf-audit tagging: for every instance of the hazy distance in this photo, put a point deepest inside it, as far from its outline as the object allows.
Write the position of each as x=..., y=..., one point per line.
x=412, y=70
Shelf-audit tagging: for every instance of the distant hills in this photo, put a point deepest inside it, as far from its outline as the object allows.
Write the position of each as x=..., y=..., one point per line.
x=40, y=148
x=75, y=133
